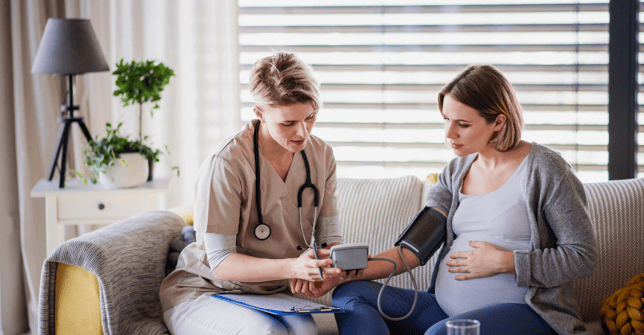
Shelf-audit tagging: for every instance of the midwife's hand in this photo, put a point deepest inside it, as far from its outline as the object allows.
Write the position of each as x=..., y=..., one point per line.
x=484, y=261
x=306, y=266
x=318, y=289
x=310, y=288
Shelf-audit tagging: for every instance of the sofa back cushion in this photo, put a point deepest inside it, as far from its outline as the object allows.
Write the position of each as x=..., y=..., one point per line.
x=617, y=215
x=375, y=212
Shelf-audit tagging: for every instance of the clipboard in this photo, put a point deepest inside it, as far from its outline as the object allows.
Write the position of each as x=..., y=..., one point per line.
x=277, y=303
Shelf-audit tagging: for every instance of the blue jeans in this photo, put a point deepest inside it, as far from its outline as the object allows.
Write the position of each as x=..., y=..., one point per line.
x=359, y=299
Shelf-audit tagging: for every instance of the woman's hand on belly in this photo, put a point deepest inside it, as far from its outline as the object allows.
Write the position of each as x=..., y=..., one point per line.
x=485, y=260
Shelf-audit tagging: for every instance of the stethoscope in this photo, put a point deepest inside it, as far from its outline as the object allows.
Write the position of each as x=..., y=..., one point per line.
x=263, y=230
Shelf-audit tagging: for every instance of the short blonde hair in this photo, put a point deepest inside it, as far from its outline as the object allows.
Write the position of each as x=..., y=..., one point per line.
x=484, y=88
x=283, y=79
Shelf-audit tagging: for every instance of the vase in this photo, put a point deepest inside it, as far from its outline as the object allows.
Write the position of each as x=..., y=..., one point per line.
x=133, y=172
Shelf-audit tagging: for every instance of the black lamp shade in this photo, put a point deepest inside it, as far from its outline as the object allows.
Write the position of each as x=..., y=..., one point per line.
x=69, y=46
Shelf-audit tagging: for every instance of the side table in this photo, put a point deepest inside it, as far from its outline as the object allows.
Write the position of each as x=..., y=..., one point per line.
x=78, y=203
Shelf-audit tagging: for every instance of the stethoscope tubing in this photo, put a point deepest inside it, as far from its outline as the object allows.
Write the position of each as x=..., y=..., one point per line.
x=258, y=185
x=307, y=184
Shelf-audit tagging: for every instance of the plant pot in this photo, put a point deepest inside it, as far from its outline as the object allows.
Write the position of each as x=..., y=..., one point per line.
x=121, y=175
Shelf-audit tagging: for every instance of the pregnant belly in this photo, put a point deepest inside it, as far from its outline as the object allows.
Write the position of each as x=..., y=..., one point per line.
x=460, y=296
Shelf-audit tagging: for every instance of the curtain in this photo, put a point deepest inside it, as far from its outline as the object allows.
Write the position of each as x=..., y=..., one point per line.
x=36, y=102
x=13, y=318
x=209, y=83
x=203, y=92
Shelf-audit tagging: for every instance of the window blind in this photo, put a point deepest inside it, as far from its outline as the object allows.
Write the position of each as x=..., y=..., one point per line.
x=381, y=65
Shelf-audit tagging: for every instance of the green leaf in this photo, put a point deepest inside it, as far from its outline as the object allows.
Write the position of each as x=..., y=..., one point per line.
x=140, y=82
x=103, y=153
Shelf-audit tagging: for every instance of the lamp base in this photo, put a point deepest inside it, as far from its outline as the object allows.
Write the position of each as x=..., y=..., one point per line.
x=61, y=145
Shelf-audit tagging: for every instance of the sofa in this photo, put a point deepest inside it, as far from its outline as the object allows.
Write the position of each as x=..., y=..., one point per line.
x=107, y=281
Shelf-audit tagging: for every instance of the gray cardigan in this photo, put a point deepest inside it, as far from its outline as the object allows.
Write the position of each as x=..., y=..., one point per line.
x=563, y=242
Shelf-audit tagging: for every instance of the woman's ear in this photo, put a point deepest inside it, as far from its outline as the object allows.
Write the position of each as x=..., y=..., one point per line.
x=258, y=113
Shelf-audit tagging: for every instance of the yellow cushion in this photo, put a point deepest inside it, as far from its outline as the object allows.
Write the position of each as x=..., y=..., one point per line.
x=78, y=309
x=432, y=178
x=623, y=312
x=188, y=219
x=184, y=211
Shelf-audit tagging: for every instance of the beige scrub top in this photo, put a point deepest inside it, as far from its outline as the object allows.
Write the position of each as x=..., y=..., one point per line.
x=225, y=204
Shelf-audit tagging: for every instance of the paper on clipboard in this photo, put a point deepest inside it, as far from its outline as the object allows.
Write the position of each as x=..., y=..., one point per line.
x=277, y=303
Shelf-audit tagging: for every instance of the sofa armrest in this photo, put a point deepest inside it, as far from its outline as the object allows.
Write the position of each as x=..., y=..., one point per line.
x=128, y=258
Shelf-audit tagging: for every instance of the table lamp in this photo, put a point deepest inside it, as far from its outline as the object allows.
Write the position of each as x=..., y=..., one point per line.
x=68, y=47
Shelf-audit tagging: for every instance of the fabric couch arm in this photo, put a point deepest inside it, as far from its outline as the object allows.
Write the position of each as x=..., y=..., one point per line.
x=128, y=258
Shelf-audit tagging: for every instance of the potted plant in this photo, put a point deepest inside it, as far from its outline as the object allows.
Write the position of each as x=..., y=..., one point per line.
x=139, y=83
x=118, y=161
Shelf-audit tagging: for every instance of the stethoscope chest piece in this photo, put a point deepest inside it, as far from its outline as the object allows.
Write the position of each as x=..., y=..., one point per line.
x=262, y=231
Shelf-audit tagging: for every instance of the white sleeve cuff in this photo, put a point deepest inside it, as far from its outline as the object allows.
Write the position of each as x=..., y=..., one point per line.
x=218, y=247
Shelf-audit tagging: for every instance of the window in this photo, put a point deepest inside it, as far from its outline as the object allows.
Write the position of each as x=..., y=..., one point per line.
x=381, y=67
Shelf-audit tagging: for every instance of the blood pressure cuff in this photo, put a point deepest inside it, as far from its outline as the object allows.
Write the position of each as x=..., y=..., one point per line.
x=425, y=234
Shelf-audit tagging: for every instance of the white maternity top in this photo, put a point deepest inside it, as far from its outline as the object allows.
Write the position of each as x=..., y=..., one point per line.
x=500, y=218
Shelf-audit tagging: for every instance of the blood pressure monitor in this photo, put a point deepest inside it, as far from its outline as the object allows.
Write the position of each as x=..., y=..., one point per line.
x=350, y=256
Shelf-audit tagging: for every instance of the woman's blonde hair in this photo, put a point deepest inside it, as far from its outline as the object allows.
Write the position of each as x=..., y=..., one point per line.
x=283, y=79
x=484, y=88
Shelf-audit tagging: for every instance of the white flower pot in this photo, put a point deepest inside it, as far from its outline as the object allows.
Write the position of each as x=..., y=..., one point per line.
x=133, y=173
